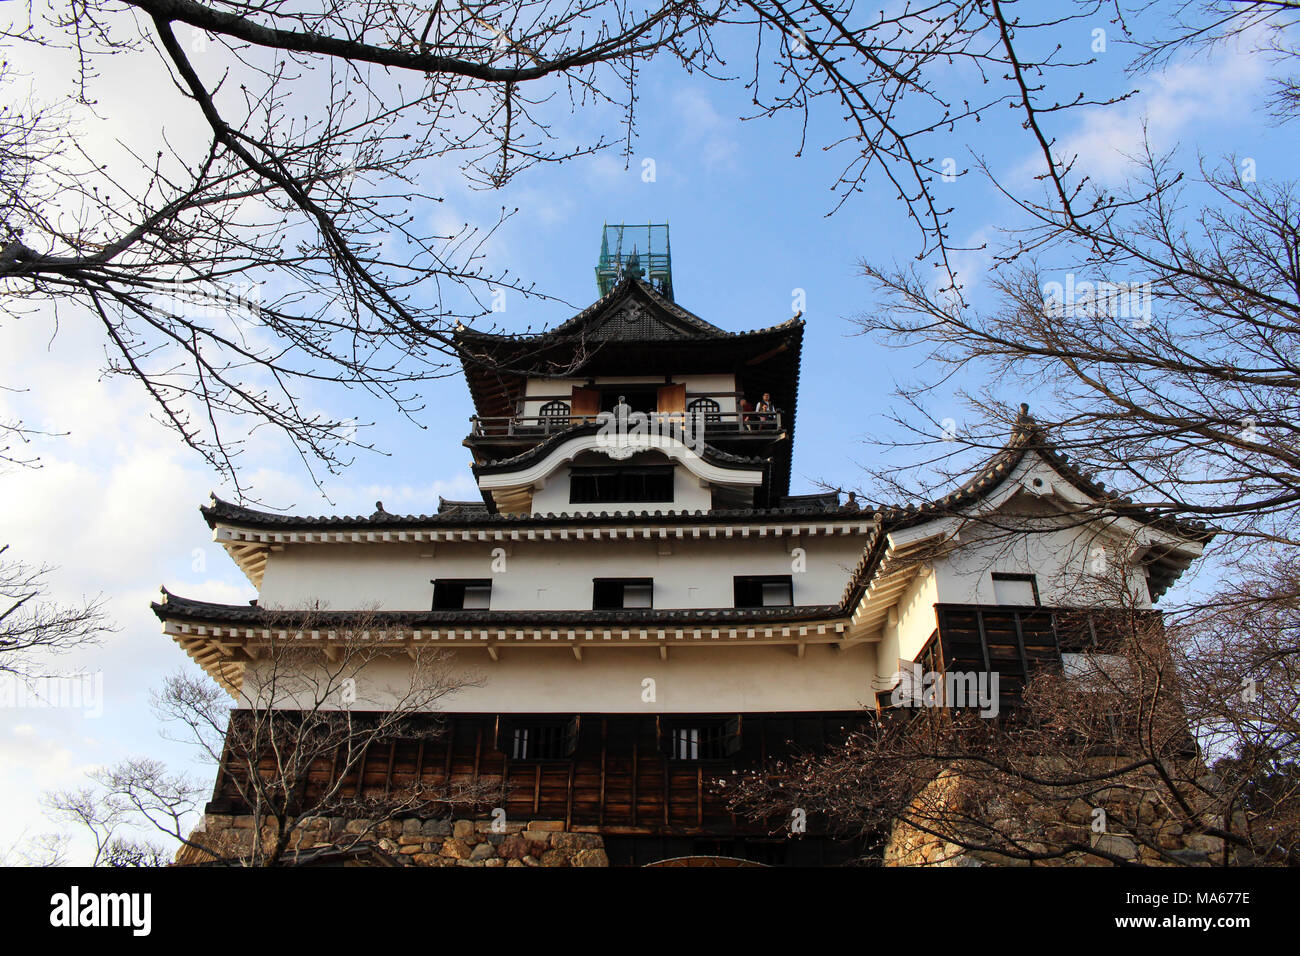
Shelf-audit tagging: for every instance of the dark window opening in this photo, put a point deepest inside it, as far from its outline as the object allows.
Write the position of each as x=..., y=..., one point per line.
x=638, y=397
x=702, y=740
x=462, y=594
x=613, y=593
x=600, y=485
x=538, y=739
x=1015, y=590
x=539, y=742
x=771, y=590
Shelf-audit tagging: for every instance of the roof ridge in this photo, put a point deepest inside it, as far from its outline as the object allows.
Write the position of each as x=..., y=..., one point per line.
x=625, y=285
x=226, y=511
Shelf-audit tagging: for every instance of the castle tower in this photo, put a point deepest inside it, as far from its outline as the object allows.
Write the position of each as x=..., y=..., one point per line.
x=647, y=608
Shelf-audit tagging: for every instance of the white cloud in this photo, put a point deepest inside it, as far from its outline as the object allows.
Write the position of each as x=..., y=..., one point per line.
x=1217, y=89
x=704, y=130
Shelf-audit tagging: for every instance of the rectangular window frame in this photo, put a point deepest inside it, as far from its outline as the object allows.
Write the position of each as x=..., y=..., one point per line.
x=1008, y=576
x=602, y=485
x=700, y=739
x=449, y=593
x=743, y=583
x=603, y=589
x=538, y=739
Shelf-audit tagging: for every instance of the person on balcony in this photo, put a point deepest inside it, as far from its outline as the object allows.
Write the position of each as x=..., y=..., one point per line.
x=766, y=412
x=746, y=414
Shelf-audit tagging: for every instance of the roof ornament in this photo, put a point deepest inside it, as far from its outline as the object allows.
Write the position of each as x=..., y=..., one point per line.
x=379, y=510
x=633, y=267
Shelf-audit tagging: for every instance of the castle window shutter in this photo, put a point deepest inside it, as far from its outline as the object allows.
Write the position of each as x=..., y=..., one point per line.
x=571, y=730
x=586, y=403
x=672, y=398
x=731, y=741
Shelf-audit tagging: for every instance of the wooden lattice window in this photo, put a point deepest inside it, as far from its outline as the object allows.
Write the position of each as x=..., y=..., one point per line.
x=554, y=413
x=707, y=409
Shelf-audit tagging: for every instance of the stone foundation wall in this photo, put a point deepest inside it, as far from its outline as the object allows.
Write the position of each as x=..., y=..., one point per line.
x=1057, y=825
x=416, y=842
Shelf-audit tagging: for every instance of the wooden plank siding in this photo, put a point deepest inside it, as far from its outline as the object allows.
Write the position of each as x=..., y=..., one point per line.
x=1015, y=641
x=618, y=779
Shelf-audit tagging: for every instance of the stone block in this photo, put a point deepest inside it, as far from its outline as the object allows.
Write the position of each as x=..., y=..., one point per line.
x=436, y=828
x=513, y=848
x=455, y=849
x=463, y=830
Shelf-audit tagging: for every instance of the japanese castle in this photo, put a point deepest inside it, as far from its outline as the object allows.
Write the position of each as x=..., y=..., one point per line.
x=644, y=606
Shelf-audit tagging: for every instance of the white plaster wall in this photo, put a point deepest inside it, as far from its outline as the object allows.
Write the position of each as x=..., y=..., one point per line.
x=550, y=575
x=692, y=680
x=915, y=623
x=1064, y=563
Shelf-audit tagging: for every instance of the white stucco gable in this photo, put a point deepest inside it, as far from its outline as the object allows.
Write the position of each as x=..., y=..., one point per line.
x=540, y=484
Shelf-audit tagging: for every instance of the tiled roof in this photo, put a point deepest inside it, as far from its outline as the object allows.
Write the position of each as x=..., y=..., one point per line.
x=463, y=508
x=1026, y=436
x=173, y=607
x=224, y=512
x=690, y=325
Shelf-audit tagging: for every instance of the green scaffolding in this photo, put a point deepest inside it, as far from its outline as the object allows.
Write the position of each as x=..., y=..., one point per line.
x=642, y=249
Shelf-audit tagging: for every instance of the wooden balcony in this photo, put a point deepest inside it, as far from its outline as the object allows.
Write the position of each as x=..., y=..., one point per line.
x=712, y=424
x=1014, y=641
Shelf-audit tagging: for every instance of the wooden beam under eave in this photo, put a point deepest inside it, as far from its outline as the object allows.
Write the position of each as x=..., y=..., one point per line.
x=663, y=652
x=577, y=652
x=803, y=648
x=493, y=652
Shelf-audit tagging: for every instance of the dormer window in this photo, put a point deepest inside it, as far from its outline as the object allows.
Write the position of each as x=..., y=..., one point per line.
x=611, y=485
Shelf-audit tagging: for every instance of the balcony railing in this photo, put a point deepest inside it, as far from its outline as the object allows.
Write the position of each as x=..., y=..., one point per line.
x=710, y=423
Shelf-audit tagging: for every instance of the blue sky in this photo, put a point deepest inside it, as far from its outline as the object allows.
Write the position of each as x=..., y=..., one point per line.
x=115, y=505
